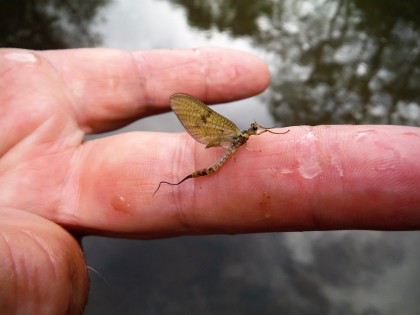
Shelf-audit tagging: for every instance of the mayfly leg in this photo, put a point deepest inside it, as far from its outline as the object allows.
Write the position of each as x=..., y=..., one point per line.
x=211, y=129
x=205, y=171
x=173, y=184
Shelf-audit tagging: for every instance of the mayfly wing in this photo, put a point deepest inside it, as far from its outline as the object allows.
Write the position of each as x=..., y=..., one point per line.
x=202, y=123
x=212, y=129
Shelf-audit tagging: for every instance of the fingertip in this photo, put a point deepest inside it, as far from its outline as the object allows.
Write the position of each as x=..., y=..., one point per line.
x=240, y=74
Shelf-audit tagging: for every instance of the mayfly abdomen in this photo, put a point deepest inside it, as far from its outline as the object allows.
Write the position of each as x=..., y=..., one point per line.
x=212, y=129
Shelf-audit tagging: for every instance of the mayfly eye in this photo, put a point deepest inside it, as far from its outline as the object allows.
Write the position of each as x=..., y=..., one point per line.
x=209, y=128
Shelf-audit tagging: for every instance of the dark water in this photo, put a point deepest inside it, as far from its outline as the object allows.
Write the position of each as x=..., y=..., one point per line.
x=332, y=62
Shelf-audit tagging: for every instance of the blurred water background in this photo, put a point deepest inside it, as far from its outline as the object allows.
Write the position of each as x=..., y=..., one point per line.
x=331, y=62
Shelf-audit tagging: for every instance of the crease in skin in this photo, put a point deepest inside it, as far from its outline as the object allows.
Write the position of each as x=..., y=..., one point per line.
x=308, y=156
x=142, y=73
x=22, y=270
x=413, y=134
x=22, y=57
x=12, y=273
x=48, y=254
x=67, y=209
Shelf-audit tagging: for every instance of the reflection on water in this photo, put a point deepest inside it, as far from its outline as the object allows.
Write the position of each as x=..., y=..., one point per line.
x=331, y=62
x=280, y=273
x=48, y=24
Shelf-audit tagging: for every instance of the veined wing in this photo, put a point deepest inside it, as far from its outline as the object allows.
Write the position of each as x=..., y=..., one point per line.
x=202, y=123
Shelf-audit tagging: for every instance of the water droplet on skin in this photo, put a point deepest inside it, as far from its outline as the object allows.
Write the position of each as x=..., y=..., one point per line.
x=286, y=170
x=336, y=159
x=119, y=203
x=371, y=136
x=307, y=156
x=362, y=134
x=23, y=57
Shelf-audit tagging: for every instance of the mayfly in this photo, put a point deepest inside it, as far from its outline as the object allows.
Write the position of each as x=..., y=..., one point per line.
x=212, y=129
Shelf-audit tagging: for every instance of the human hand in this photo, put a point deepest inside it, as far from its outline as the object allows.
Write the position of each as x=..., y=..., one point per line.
x=312, y=178
x=50, y=181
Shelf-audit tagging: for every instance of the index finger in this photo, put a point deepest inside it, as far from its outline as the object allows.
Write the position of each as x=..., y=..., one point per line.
x=321, y=178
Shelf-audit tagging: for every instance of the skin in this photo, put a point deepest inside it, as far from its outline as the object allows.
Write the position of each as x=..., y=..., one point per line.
x=53, y=185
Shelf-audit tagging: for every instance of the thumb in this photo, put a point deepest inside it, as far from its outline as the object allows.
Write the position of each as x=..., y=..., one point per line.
x=42, y=268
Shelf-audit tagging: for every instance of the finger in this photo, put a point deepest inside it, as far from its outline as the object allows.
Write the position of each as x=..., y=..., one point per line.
x=111, y=87
x=327, y=177
x=42, y=266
